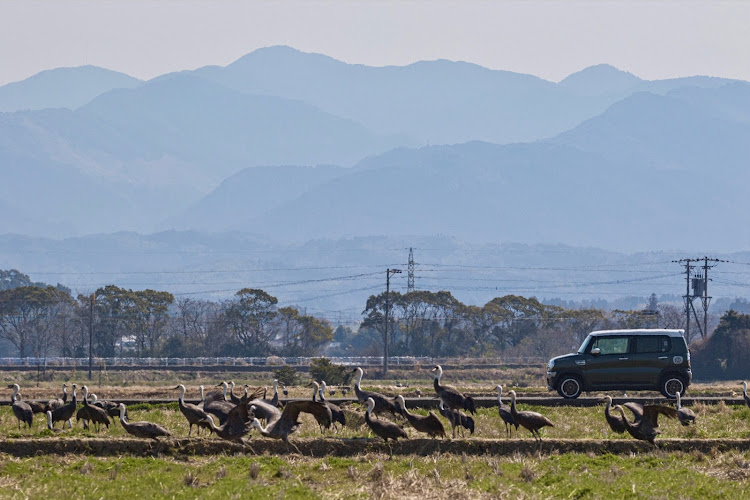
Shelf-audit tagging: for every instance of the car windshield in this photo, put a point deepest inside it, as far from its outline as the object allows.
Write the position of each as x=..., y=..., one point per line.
x=585, y=342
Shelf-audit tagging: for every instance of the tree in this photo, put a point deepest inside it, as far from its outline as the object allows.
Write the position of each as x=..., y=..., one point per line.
x=671, y=317
x=315, y=333
x=290, y=327
x=584, y=321
x=114, y=311
x=323, y=369
x=342, y=333
x=724, y=354
x=13, y=279
x=512, y=318
x=301, y=335
x=195, y=329
x=249, y=317
x=149, y=318
x=28, y=315
x=286, y=375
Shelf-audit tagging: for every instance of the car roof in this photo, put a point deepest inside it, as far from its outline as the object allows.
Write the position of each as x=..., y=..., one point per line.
x=652, y=331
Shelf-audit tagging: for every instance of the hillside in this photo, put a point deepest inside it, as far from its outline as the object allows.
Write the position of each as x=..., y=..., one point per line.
x=62, y=88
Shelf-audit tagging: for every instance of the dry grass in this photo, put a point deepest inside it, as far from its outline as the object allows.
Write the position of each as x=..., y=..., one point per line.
x=375, y=475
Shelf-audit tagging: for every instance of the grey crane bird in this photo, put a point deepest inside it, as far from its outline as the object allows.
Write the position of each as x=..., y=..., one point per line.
x=337, y=413
x=744, y=393
x=21, y=410
x=452, y=397
x=686, y=416
x=49, y=423
x=203, y=397
x=264, y=411
x=217, y=395
x=66, y=411
x=505, y=413
x=112, y=408
x=217, y=405
x=236, y=426
x=232, y=398
x=383, y=428
x=193, y=414
x=530, y=420
x=52, y=404
x=646, y=429
x=287, y=423
x=429, y=424
x=616, y=422
x=92, y=412
x=457, y=419
x=383, y=404
x=36, y=406
x=324, y=419
x=274, y=401
x=146, y=430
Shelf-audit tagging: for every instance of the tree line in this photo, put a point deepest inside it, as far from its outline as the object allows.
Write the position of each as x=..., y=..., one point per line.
x=41, y=320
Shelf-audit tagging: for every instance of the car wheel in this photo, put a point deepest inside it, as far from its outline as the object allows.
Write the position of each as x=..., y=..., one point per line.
x=671, y=385
x=570, y=387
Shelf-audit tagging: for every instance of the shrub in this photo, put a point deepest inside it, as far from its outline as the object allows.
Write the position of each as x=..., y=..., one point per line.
x=323, y=369
x=286, y=375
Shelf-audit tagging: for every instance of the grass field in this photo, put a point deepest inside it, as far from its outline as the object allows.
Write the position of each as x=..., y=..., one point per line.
x=653, y=475
x=714, y=421
x=519, y=470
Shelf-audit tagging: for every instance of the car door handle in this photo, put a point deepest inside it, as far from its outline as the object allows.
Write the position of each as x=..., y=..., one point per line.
x=623, y=358
x=663, y=357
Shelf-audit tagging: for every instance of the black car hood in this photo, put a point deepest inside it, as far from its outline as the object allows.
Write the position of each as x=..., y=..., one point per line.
x=564, y=356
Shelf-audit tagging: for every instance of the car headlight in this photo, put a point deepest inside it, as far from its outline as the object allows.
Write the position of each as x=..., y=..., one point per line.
x=550, y=365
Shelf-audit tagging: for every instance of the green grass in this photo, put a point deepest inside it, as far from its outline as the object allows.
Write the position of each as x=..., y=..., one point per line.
x=440, y=476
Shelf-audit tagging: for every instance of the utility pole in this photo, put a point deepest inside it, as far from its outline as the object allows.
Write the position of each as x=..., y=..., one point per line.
x=388, y=273
x=699, y=283
x=410, y=280
x=91, y=334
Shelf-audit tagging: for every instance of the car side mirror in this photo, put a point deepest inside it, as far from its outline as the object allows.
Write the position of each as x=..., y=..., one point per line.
x=596, y=351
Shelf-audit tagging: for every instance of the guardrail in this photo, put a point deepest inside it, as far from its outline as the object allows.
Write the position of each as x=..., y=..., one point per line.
x=395, y=361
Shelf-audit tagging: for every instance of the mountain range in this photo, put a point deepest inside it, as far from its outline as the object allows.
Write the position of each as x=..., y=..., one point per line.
x=292, y=146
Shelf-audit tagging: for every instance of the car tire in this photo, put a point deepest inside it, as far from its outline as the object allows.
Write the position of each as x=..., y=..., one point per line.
x=570, y=386
x=671, y=384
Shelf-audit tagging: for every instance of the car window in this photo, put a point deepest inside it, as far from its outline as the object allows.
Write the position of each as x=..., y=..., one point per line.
x=653, y=344
x=611, y=345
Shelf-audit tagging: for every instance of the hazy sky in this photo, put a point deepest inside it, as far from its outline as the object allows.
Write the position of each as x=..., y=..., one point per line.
x=551, y=39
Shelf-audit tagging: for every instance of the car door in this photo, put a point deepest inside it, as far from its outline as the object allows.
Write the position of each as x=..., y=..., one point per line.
x=612, y=365
x=650, y=356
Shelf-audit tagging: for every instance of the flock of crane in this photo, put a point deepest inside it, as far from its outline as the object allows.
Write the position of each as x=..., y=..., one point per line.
x=237, y=416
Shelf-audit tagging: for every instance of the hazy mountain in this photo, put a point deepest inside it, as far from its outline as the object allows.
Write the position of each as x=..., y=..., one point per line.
x=620, y=180
x=224, y=130
x=62, y=88
x=438, y=101
x=601, y=79
x=146, y=154
x=150, y=157
x=699, y=131
x=250, y=193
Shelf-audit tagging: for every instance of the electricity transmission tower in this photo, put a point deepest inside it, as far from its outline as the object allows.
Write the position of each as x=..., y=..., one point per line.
x=410, y=280
x=696, y=277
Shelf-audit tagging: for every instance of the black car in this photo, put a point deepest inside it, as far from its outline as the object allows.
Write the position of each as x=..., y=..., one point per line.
x=624, y=360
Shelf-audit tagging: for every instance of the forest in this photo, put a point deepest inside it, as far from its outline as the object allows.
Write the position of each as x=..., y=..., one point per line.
x=40, y=320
